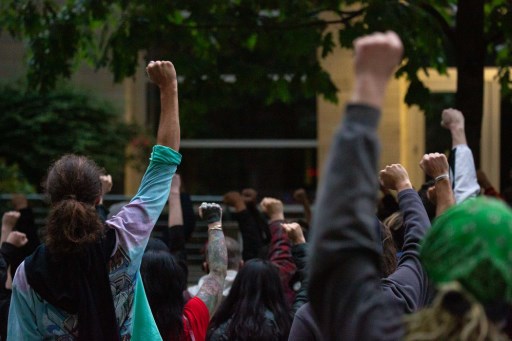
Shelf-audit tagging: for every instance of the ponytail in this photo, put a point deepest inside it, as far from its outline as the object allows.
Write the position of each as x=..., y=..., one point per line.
x=71, y=225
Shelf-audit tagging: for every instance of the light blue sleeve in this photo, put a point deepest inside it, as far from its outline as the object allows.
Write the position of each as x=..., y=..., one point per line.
x=136, y=220
x=22, y=323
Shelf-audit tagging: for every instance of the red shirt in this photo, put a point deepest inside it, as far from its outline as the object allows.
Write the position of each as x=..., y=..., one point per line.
x=195, y=320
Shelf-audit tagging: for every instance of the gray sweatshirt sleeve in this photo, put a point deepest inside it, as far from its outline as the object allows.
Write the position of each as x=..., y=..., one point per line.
x=345, y=288
x=408, y=286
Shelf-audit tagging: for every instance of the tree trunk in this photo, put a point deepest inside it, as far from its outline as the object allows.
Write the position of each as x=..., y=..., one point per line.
x=470, y=57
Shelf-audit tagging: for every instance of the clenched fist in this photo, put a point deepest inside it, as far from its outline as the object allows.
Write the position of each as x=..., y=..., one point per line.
x=162, y=73
x=434, y=164
x=395, y=177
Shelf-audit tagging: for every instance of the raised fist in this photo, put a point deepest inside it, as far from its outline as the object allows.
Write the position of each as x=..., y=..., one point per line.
x=232, y=198
x=17, y=238
x=452, y=119
x=106, y=183
x=294, y=232
x=250, y=196
x=395, y=177
x=434, y=164
x=9, y=219
x=210, y=212
x=300, y=195
x=271, y=206
x=162, y=73
x=377, y=54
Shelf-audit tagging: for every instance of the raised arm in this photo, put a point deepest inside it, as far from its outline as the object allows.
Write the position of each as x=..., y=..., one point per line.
x=249, y=229
x=436, y=166
x=344, y=288
x=211, y=290
x=301, y=197
x=299, y=253
x=280, y=249
x=162, y=73
x=464, y=181
x=136, y=220
x=407, y=287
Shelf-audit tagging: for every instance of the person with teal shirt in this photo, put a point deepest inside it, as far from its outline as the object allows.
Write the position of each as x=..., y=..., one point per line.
x=81, y=283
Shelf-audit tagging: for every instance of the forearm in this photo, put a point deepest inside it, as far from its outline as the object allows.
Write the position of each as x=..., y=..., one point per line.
x=175, y=211
x=307, y=211
x=280, y=254
x=169, y=125
x=136, y=220
x=344, y=252
x=217, y=253
x=299, y=252
x=444, y=196
x=458, y=136
x=4, y=234
x=465, y=183
x=211, y=289
x=408, y=285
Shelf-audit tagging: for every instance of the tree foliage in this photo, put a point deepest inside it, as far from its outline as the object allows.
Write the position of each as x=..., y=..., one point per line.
x=268, y=47
x=37, y=129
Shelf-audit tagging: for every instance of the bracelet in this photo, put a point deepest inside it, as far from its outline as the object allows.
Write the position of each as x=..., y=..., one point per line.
x=215, y=227
x=441, y=177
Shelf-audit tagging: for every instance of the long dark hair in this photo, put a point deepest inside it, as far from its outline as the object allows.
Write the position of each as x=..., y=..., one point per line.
x=255, y=291
x=73, y=186
x=164, y=282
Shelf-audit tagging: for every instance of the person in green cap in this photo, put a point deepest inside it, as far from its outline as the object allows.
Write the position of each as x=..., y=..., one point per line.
x=467, y=253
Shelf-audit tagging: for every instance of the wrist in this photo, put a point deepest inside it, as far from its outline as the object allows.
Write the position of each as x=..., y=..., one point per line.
x=442, y=177
x=276, y=217
x=403, y=185
x=7, y=228
x=299, y=240
x=171, y=86
x=369, y=90
x=215, y=226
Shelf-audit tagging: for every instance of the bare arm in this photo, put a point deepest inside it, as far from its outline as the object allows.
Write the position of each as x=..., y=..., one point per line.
x=9, y=220
x=163, y=74
x=300, y=196
x=436, y=166
x=175, y=211
x=211, y=290
x=464, y=179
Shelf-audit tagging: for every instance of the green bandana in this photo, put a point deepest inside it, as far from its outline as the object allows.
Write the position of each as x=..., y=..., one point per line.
x=472, y=243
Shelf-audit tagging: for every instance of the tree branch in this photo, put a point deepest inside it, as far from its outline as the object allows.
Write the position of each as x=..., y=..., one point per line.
x=447, y=29
x=347, y=16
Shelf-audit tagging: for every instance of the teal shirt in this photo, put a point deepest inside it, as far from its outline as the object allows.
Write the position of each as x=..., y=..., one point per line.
x=32, y=318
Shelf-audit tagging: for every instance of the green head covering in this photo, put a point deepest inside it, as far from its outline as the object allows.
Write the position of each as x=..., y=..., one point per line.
x=472, y=243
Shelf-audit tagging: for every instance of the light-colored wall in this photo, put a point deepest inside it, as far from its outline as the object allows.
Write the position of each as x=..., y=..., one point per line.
x=402, y=128
x=400, y=131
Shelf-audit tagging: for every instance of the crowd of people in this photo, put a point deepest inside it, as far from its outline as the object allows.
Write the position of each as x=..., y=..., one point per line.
x=414, y=264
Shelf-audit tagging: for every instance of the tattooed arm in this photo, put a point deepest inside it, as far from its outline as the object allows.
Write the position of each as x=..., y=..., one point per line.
x=211, y=290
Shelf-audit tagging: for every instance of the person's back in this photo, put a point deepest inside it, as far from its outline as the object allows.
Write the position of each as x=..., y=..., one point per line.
x=80, y=284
